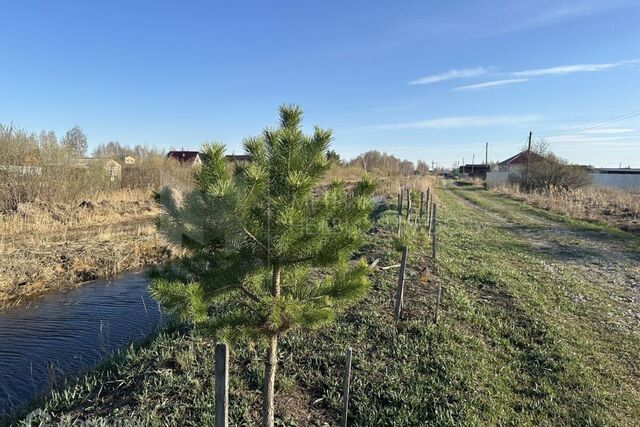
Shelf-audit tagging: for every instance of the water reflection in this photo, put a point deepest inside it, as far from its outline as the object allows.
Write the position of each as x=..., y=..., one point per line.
x=64, y=334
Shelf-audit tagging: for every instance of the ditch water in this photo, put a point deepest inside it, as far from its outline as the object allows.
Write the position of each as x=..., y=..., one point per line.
x=65, y=334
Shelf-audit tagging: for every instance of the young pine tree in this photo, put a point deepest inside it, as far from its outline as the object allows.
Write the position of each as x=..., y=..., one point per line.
x=267, y=251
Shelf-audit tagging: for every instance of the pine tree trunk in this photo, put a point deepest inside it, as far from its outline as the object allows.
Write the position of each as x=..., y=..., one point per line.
x=271, y=362
x=269, y=382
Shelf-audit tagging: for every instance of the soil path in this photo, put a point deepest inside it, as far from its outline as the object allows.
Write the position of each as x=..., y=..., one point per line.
x=609, y=259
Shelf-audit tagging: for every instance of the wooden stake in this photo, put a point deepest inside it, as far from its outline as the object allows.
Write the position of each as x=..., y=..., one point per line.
x=408, y=205
x=222, y=385
x=433, y=255
x=345, y=388
x=399, y=212
x=400, y=287
x=429, y=200
x=435, y=317
x=421, y=204
x=433, y=233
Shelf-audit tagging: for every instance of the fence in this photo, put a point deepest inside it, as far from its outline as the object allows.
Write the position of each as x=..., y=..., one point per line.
x=497, y=178
x=619, y=181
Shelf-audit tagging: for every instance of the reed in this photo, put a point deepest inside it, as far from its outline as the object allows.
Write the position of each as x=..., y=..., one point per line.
x=618, y=208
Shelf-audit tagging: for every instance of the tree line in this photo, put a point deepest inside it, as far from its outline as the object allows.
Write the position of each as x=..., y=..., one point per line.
x=387, y=164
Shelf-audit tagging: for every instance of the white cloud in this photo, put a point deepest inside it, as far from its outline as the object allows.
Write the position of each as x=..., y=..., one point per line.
x=451, y=74
x=518, y=76
x=576, y=68
x=489, y=85
x=456, y=122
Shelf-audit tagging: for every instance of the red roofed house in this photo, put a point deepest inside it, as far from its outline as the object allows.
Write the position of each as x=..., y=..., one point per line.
x=191, y=158
x=517, y=162
x=510, y=170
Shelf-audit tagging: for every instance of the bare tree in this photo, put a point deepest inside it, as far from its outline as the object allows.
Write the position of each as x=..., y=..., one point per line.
x=422, y=168
x=75, y=141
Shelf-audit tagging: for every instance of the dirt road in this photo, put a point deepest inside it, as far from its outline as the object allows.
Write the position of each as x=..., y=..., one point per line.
x=592, y=252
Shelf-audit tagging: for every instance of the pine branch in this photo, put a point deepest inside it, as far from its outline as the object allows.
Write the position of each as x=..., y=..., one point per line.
x=248, y=293
x=254, y=238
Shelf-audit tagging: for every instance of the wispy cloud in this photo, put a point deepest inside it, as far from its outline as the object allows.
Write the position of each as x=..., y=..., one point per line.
x=576, y=68
x=533, y=14
x=455, y=122
x=519, y=76
x=451, y=74
x=489, y=85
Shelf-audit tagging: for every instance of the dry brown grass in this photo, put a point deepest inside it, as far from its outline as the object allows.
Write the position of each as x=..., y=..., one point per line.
x=52, y=246
x=105, y=208
x=345, y=173
x=387, y=185
x=618, y=208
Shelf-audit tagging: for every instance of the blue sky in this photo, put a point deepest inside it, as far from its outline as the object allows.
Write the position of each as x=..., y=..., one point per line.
x=428, y=80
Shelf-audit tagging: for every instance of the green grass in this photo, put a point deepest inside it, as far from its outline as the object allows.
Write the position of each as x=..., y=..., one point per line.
x=489, y=200
x=512, y=347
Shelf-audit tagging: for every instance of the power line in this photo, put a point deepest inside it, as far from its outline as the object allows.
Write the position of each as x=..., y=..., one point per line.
x=596, y=124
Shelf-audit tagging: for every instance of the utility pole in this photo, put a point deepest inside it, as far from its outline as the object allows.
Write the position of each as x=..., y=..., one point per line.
x=486, y=153
x=473, y=160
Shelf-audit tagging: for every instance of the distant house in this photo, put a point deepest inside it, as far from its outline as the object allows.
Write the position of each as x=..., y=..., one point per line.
x=189, y=158
x=110, y=166
x=21, y=170
x=618, y=171
x=475, y=171
x=511, y=170
x=113, y=168
x=518, y=162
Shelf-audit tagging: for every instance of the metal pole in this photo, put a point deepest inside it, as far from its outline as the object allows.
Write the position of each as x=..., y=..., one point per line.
x=400, y=288
x=346, y=386
x=433, y=233
x=222, y=385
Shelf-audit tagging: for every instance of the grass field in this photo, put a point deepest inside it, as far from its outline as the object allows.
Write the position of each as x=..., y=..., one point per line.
x=539, y=326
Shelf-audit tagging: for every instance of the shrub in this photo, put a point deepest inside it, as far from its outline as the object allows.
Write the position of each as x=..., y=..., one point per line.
x=549, y=172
